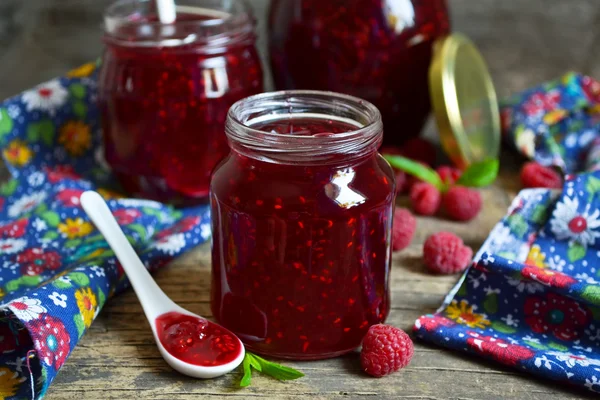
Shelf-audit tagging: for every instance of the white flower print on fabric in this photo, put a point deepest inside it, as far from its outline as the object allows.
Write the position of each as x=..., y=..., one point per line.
x=139, y=203
x=39, y=225
x=36, y=179
x=556, y=263
x=26, y=203
x=13, y=111
x=48, y=97
x=510, y=321
x=571, y=360
x=593, y=383
x=525, y=142
x=97, y=270
x=171, y=244
x=524, y=285
x=59, y=299
x=26, y=308
x=11, y=246
x=568, y=223
x=586, y=278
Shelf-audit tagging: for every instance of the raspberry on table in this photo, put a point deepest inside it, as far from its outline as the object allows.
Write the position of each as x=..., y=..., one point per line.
x=425, y=198
x=403, y=229
x=534, y=175
x=462, y=203
x=385, y=349
x=449, y=175
x=445, y=253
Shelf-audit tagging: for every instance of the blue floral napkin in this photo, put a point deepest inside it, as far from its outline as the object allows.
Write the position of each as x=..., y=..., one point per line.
x=56, y=271
x=531, y=300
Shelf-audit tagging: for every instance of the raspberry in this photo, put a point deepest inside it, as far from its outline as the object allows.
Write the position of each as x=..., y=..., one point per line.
x=462, y=203
x=419, y=149
x=425, y=198
x=401, y=181
x=449, y=175
x=445, y=253
x=534, y=175
x=403, y=229
x=385, y=349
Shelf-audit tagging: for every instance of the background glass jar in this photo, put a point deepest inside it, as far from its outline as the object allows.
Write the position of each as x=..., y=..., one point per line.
x=164, y=92
x=302, y=216
x=379, y=50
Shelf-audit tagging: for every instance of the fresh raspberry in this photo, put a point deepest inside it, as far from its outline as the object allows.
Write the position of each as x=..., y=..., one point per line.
x=419, y=149
x=401, y=181
x=445, y=253
x=449, y=175
x=385, y=349
x=403, y=229
x=462, y=203
x=425, y=198
x=534, y=175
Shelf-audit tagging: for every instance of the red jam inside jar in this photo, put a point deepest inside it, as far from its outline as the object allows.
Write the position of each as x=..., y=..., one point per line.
x=379, y=50
x=196, y=340
x=164, y=92
x=302, y=213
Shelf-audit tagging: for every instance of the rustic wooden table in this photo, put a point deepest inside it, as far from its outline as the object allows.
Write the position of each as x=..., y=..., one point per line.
x=117, y=358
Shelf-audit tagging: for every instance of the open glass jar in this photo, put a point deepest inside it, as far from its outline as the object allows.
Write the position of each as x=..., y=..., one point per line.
x=378, y=50
x=164, y=92
x=302, y=215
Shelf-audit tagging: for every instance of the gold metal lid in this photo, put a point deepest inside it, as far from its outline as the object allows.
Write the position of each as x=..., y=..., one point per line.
x=464, y=101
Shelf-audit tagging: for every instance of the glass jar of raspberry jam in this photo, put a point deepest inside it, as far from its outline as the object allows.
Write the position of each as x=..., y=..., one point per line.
x=379, y=50
x=164, y=92
x=301, y=217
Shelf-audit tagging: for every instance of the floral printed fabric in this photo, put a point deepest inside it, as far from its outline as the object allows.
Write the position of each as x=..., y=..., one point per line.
x=56, y=271
x=531, y=300
x=557, y=123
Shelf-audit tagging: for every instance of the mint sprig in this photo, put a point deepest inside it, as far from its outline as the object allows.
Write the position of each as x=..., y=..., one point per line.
x=480, y=174
x=275, y=370
x=476, y=175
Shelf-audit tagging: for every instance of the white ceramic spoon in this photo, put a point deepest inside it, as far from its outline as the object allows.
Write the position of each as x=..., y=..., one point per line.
x=154, y=301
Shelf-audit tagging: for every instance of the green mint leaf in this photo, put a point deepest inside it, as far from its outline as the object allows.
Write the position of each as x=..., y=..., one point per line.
x=480, y=174
x=254, y=362
x=247, y=370
x=416, y=169
x=277, y=371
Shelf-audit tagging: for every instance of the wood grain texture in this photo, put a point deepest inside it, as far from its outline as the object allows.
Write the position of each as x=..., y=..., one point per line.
x=117, y=358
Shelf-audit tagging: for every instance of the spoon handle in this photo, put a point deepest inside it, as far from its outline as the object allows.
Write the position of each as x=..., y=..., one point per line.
x=154, y=301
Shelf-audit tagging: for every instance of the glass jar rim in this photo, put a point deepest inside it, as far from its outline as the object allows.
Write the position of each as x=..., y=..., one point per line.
x=226, y=20
x=275, y=147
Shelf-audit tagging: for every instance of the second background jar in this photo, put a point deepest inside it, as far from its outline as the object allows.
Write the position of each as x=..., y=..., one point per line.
x=378, y=50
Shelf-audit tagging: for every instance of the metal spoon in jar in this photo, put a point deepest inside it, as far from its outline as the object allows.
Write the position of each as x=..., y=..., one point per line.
x=189, y=343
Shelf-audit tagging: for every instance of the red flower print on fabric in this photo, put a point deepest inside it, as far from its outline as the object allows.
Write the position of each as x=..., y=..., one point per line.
x=432, y=322
x=184, y=225
x=34, y=261
x=14, y=229
x=548, y=277
x=60, y=172
x=69, y=197
x=126, y=216
x=51, y=340
x=498, y=349
x=542, y=102
x=561, y=316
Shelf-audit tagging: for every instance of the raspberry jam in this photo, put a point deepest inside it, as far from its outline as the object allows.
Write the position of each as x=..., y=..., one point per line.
x=379, y=50
x=164, y=92
x=196, y=340
x=302, y=213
